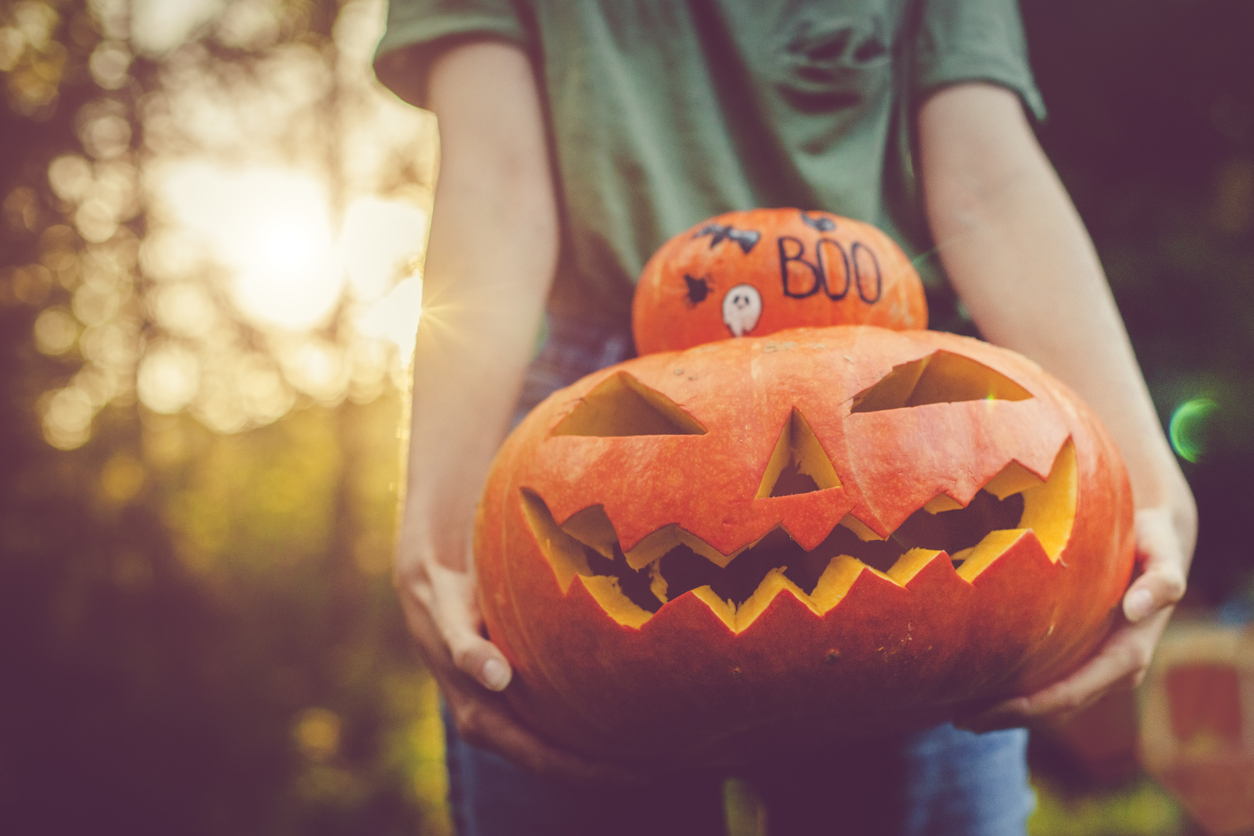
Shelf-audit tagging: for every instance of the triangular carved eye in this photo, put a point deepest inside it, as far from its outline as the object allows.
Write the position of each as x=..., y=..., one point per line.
x=621, y=406
x=938, y=378
x=799, y=464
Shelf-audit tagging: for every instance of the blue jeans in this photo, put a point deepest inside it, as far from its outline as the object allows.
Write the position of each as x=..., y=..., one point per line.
x=939, y=782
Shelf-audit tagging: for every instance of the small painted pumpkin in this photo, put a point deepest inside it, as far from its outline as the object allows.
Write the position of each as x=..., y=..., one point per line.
x=706, y=555
x=753, y=273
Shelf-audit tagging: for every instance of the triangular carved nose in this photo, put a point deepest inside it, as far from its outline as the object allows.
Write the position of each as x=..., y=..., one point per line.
x=798, y=464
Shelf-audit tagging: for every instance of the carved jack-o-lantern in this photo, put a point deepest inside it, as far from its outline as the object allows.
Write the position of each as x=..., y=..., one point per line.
x=754, y=273
x=754, y=543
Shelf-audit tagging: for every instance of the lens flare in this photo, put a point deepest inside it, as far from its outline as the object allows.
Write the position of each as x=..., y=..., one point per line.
x=1190, y=428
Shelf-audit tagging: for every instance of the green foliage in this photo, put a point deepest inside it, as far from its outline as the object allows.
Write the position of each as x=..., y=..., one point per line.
x=1142, y=809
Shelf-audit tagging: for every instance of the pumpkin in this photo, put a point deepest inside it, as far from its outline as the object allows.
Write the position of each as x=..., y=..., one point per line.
x=753, y=273
x=1196, y=710
x=703, y=556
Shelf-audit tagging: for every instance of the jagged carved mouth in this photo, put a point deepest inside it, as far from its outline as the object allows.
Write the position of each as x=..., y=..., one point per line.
x=670, y=562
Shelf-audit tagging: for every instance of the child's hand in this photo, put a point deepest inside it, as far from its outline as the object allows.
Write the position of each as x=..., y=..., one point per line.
x=1165, y=538
x=439, y=604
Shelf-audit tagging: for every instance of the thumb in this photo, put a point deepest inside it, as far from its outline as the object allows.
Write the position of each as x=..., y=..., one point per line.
x=479, y=659
x=1164, y=566
x=457, y=618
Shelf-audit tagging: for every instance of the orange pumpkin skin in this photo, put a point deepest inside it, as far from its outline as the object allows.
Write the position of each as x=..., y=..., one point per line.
x=756, y=272
x=887, y=650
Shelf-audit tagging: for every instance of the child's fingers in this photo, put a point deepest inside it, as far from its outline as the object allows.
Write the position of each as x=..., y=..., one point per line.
x=1164, y=564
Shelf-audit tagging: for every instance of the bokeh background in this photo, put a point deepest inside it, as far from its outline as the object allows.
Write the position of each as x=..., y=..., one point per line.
x=210, y=246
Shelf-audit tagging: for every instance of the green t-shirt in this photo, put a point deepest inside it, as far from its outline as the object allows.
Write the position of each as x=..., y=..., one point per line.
x=665, y=113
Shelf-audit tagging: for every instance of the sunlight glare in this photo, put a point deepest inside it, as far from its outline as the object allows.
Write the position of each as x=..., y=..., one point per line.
x=316, y=367
x=395, y=317
x=70, y=176
x=55, y=331
x=168, y=378
x=261, y=391
x=272, y=227
x=379, y=240
x=184, y=308
x=157, y=26
x=67, y=418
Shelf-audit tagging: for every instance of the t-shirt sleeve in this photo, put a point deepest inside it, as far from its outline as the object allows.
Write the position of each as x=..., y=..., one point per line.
x=974, y=40
x=418, y=29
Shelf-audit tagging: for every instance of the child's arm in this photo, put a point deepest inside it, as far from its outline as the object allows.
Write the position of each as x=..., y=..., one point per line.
x=1020, y=259
x=490, y=262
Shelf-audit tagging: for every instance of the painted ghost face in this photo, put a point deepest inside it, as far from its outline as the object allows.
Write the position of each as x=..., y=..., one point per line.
x=742, y=307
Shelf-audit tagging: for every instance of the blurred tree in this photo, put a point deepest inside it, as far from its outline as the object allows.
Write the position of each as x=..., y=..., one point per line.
x=197, y=632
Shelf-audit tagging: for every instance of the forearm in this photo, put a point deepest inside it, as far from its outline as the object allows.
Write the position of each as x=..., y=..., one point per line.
x=490, y=261
x=1020, y=259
